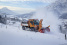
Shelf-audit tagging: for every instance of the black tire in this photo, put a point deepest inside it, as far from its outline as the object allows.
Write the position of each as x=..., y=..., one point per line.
x=33, y=29
x=23, y=27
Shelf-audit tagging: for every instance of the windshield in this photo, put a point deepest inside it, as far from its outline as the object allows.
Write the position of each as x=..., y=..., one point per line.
x=36, y=22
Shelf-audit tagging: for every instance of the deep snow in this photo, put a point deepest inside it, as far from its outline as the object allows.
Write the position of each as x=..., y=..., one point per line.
x=14, y=35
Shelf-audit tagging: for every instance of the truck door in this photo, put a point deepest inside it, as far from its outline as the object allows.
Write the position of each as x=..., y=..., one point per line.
x=31, y=24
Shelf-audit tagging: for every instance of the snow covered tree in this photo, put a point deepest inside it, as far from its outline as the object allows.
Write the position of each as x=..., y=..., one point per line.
x=3, y=19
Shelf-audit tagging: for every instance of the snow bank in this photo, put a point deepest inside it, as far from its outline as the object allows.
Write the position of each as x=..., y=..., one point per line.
x=49, y=18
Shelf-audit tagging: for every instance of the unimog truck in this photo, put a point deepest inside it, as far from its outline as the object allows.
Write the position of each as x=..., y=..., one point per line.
x=34, y=25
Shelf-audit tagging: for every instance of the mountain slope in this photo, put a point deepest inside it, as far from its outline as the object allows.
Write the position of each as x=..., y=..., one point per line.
x=6, y=11
x=64, y=16
x=59, y=7
x=27, y=15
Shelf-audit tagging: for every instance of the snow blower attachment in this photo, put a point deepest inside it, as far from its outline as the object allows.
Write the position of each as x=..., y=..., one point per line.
x=34, y=25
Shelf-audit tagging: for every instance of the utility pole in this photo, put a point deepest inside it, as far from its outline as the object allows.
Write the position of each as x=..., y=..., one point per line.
x=65, y=30
x=65, y=36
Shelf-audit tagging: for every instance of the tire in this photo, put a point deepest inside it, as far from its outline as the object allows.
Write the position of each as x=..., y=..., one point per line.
x=23, y=27
x=33, y=29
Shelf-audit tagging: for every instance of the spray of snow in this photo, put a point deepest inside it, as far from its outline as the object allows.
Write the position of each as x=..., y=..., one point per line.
x=49, y=18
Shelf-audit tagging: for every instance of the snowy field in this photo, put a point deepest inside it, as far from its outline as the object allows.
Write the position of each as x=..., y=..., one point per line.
x=14, y=35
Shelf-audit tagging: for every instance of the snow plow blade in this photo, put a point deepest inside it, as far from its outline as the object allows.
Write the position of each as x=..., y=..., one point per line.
x=45, y=29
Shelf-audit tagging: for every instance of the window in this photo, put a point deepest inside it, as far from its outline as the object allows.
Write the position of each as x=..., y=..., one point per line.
x=31, y=22
x=36, y=22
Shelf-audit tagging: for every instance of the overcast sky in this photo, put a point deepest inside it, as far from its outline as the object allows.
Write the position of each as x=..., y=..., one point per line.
x=24, y=5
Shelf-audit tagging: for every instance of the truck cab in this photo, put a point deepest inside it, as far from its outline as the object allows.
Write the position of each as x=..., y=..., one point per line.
x=33, y=24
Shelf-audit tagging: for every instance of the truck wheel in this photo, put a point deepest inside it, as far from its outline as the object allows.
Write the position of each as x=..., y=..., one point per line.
x=32, y=29
x=23, y=27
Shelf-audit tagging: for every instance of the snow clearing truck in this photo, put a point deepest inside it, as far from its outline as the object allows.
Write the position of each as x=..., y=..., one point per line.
x=34, y=25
